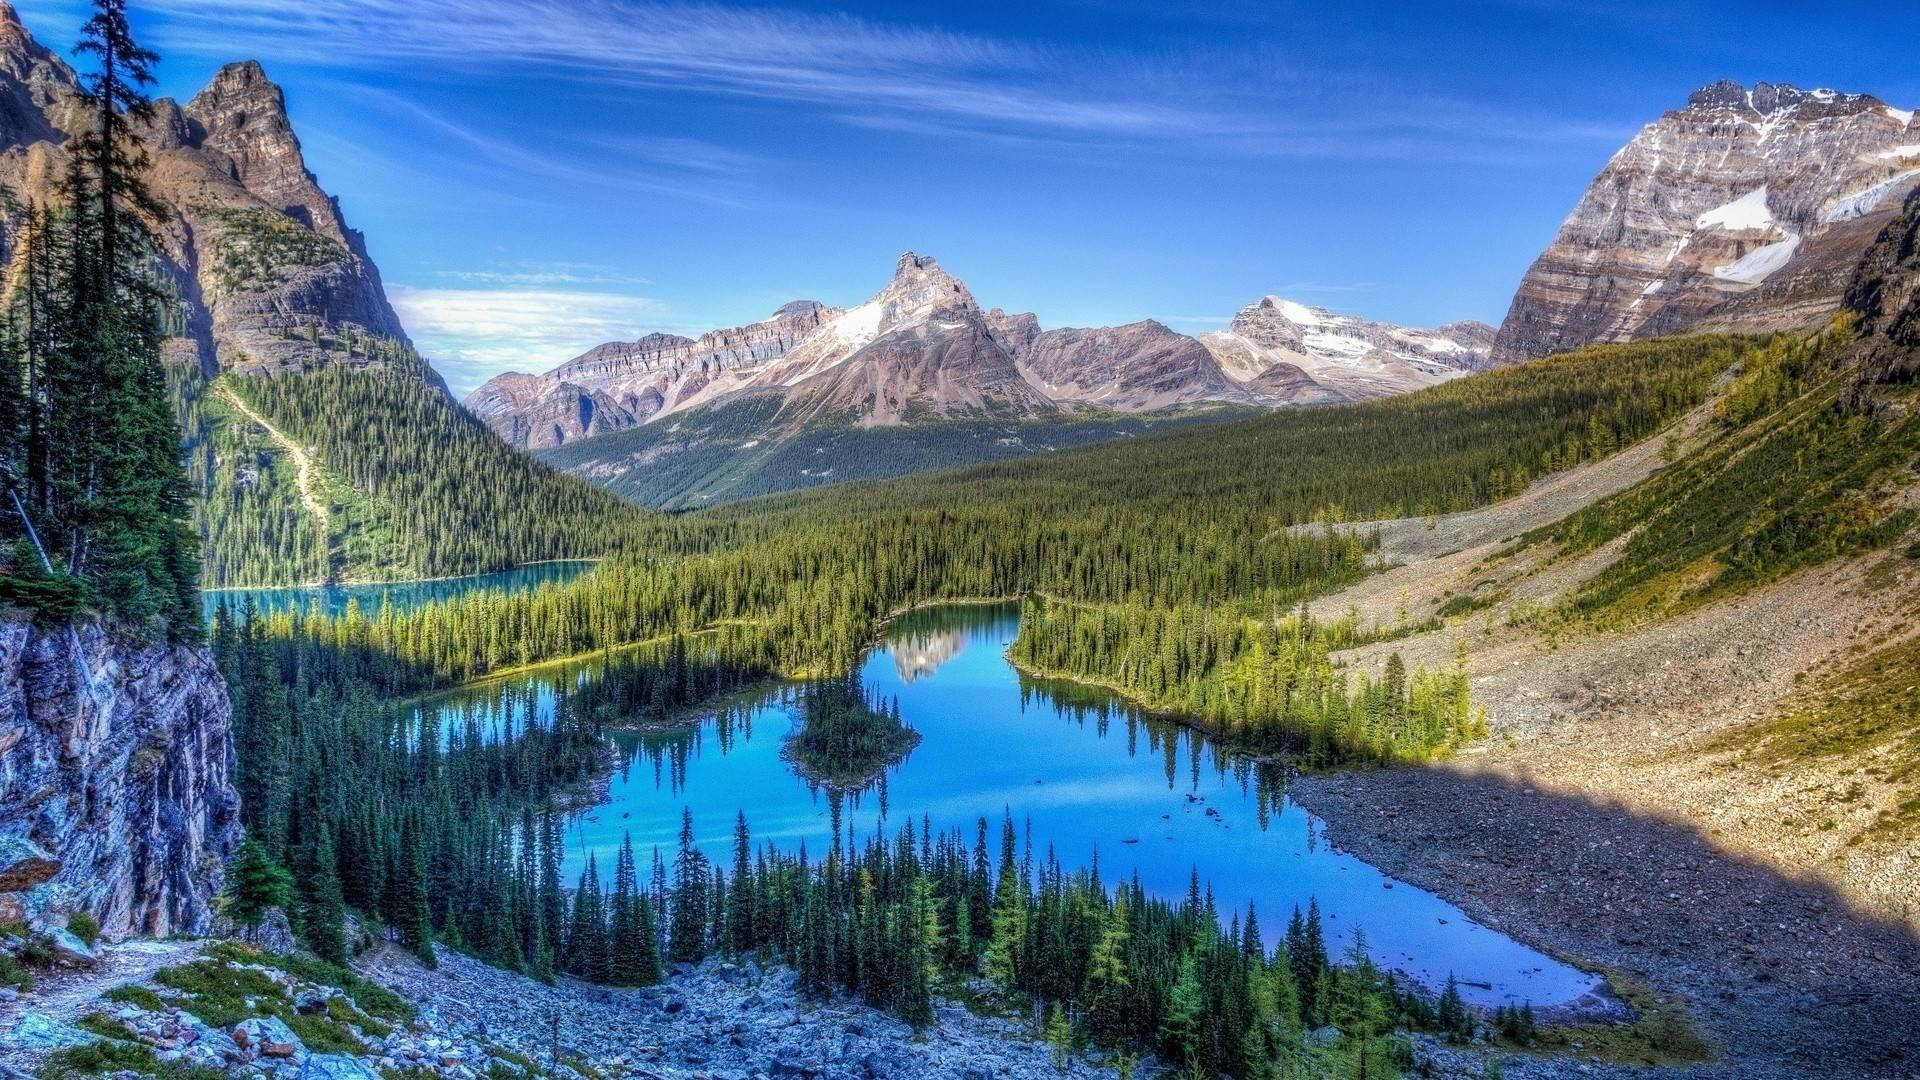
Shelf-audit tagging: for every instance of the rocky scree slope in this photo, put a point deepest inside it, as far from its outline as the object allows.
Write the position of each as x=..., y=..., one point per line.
x=922, y=348
x=1746, y=210
x=115, y=796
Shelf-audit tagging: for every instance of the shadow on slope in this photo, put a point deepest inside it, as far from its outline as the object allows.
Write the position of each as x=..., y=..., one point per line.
x=1784, y=975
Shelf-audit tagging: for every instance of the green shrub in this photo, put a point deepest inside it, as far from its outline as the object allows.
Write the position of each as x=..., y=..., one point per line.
x=139, y=997
x=84, y=926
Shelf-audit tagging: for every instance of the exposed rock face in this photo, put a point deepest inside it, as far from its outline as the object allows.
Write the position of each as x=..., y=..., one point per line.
x=1288, y=352
x=922, y=346
x=272, y=256
x=623, y=383
x=1886, y=294
x=1131, y=368
x=114, y=796
x=1748, y=209
x=270, y=276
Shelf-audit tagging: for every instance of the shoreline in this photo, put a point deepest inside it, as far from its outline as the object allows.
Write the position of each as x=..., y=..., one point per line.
x=310, y=586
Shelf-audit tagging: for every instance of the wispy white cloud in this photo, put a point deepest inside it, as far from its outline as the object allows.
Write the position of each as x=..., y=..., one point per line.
x=656, y=165
x=545, y=273
x=906, y=79
x=835, y=60
x=471, y=335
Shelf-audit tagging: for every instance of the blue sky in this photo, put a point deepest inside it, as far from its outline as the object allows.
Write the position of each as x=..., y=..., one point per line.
x=536, y=176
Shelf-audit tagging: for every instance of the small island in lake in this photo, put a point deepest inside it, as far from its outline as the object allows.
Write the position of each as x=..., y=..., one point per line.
x=847, y=738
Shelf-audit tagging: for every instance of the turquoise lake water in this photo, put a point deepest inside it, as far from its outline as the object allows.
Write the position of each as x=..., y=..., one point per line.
x=333, y=599
x=1082, y=772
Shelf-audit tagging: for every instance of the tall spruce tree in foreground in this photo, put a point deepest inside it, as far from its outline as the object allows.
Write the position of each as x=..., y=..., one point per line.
x=90, y=444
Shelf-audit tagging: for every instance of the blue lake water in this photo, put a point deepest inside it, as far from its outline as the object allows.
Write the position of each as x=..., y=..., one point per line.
x=333, y=599
x=1084, y=773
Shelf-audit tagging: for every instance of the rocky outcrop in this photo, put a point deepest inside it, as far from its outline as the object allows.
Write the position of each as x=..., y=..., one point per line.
x=269, y=275
x=1285, y=351
x=1886, y=296
x=114, y=792
x=920, y=348
x=1746, y=210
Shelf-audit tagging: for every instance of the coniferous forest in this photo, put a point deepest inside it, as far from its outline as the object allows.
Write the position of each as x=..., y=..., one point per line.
x=89, y=450
x=1176, y=571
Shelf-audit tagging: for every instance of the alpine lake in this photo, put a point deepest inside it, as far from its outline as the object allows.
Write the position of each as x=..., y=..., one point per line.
x=1082, y=774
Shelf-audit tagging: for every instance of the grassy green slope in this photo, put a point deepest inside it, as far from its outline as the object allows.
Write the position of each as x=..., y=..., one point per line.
x=1790, y=474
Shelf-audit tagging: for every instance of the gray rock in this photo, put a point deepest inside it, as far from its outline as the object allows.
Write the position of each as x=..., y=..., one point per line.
x=70, y=950
x=40, y=1032
x=269, y=1037
x=24, y=864
x=1657, y=243
x=144, y=730
x=336, y=1067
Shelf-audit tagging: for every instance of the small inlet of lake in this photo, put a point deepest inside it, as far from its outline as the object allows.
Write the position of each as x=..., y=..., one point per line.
x=1081, y=773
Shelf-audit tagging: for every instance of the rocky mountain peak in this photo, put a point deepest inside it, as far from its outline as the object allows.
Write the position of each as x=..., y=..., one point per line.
x=243, y=114
x=920, y=286
x=33, y=83
x=1321, y=355
x=1746, y=210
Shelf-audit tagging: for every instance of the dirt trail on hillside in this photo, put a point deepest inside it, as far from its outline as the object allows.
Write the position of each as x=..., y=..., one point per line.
x=67, y=996
x=304, y=468
x=1606, y=821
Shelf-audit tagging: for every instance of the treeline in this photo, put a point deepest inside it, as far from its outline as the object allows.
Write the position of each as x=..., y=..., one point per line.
x=96, y=500
x=417, y=488
x=896, y=920
x=448, y=834
x=411, y=815
x=847, y=736
x=1269, y=685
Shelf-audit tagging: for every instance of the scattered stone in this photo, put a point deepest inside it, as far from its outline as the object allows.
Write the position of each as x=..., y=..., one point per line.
x=336, y=1067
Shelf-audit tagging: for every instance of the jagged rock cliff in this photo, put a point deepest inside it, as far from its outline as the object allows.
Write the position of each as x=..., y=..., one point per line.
x=1886, y=294
x=114, y=793
x=269, y=275
x=1748, y=209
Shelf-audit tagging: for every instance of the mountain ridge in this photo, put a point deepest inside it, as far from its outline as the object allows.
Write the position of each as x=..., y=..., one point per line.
x=923, y=348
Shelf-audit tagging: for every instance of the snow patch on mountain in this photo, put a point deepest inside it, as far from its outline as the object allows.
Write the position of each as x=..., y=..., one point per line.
x=1748, y=212
x=1861, y=203
x=1759, y=264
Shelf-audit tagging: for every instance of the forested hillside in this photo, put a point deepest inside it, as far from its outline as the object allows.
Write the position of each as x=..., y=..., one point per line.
x=724, y=453
x=1188, y=539
x=400, y=483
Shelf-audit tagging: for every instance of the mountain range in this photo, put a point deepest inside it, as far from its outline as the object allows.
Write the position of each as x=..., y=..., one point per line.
x=1744, y=211
x=923, y=348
